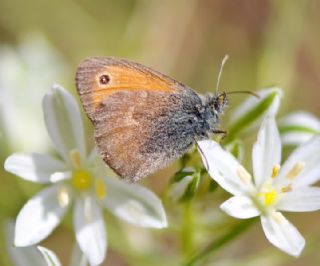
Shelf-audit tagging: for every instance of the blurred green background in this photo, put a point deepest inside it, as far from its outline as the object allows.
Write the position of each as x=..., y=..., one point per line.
x=269, y=43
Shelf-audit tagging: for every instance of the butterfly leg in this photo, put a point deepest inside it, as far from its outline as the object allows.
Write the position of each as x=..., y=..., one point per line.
x=220, y=132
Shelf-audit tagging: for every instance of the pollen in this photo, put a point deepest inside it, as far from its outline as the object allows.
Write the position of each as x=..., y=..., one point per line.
x=81, y=179
x=295, y=170
x=244, y=175
x=275, y=171
x=100, y=188
x=270, y=197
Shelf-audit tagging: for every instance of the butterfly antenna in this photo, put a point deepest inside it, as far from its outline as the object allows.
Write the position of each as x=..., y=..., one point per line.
x=245, y=92
x=224, y=60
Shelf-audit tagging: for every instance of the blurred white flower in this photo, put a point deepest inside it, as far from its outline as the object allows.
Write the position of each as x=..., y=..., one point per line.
x=298, y=127
x=251, y=112
x=80, y=177
x=25, y=74
x=35, y=256
x=272, y=189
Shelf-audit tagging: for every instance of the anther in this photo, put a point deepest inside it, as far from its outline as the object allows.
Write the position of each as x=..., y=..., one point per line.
x=295, y=171
x=75, y=158
x=63, y=197
x=275, y=171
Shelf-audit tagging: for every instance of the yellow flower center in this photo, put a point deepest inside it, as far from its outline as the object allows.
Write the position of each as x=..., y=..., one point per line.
x=270, y=197
x=81, y=180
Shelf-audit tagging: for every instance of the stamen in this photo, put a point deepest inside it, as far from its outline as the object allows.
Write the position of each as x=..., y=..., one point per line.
x=75, y=158
x=100, y=188
x=244, y=175
x=296, y=170
x=287, y=188
x=87, y=210
x=275, y=171
x=63, y=197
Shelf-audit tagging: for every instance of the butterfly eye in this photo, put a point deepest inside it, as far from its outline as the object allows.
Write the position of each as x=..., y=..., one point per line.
x=104, y=79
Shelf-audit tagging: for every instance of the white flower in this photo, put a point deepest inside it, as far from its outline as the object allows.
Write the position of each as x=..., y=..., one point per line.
x=298, y=127
x=21, y=90
x=76, y=177
x=272, y=188
x=35, y=256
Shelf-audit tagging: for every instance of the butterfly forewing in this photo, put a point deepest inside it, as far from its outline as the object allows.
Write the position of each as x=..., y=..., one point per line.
x=139, y=115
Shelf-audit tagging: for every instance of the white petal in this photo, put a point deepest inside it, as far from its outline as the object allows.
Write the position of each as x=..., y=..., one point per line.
x=298, y=127
x=77, y=257
x=222, y=167
x=90, y=230
x=282, y=234
x=249, y=114
x=308, y=154
x=39, y=216
x=21, y=256
x=33, y=166
x=49, y=256
x=64, y=122
x=266, y=151
x=301, y=199
x=134, y=204
x=240, y=207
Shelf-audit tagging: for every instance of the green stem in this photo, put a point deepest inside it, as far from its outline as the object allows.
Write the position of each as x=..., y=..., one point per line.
x=218, y=243
x=187, y=229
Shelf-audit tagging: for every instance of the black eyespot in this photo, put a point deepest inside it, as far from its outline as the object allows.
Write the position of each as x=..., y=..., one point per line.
x=104, y=79
x=190, y=121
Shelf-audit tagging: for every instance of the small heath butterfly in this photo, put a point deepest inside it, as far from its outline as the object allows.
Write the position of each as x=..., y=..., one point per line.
x=143, y=119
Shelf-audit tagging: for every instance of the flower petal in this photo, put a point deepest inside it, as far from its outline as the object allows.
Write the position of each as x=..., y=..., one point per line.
x=249, y=114
x=282, y=234
x=309, y=155
x=134, y=204
x=298, y=127
x=90, y=230
x=64, y=122
x=240, y=207
x=21, y=256
x=49, y=256
x=39, y=216
x=33, y=166
x=301, y=199
x=77, y=257
x=266, y=151
x=222, y=167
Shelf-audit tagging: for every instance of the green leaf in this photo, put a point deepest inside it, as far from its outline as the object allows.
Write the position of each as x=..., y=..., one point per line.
x=252, y=111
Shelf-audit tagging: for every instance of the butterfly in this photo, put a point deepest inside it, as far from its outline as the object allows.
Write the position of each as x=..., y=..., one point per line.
x=142, y=118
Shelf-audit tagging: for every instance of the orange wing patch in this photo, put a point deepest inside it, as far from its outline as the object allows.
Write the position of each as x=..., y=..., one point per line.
x=124, y=78
x=99, y=77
